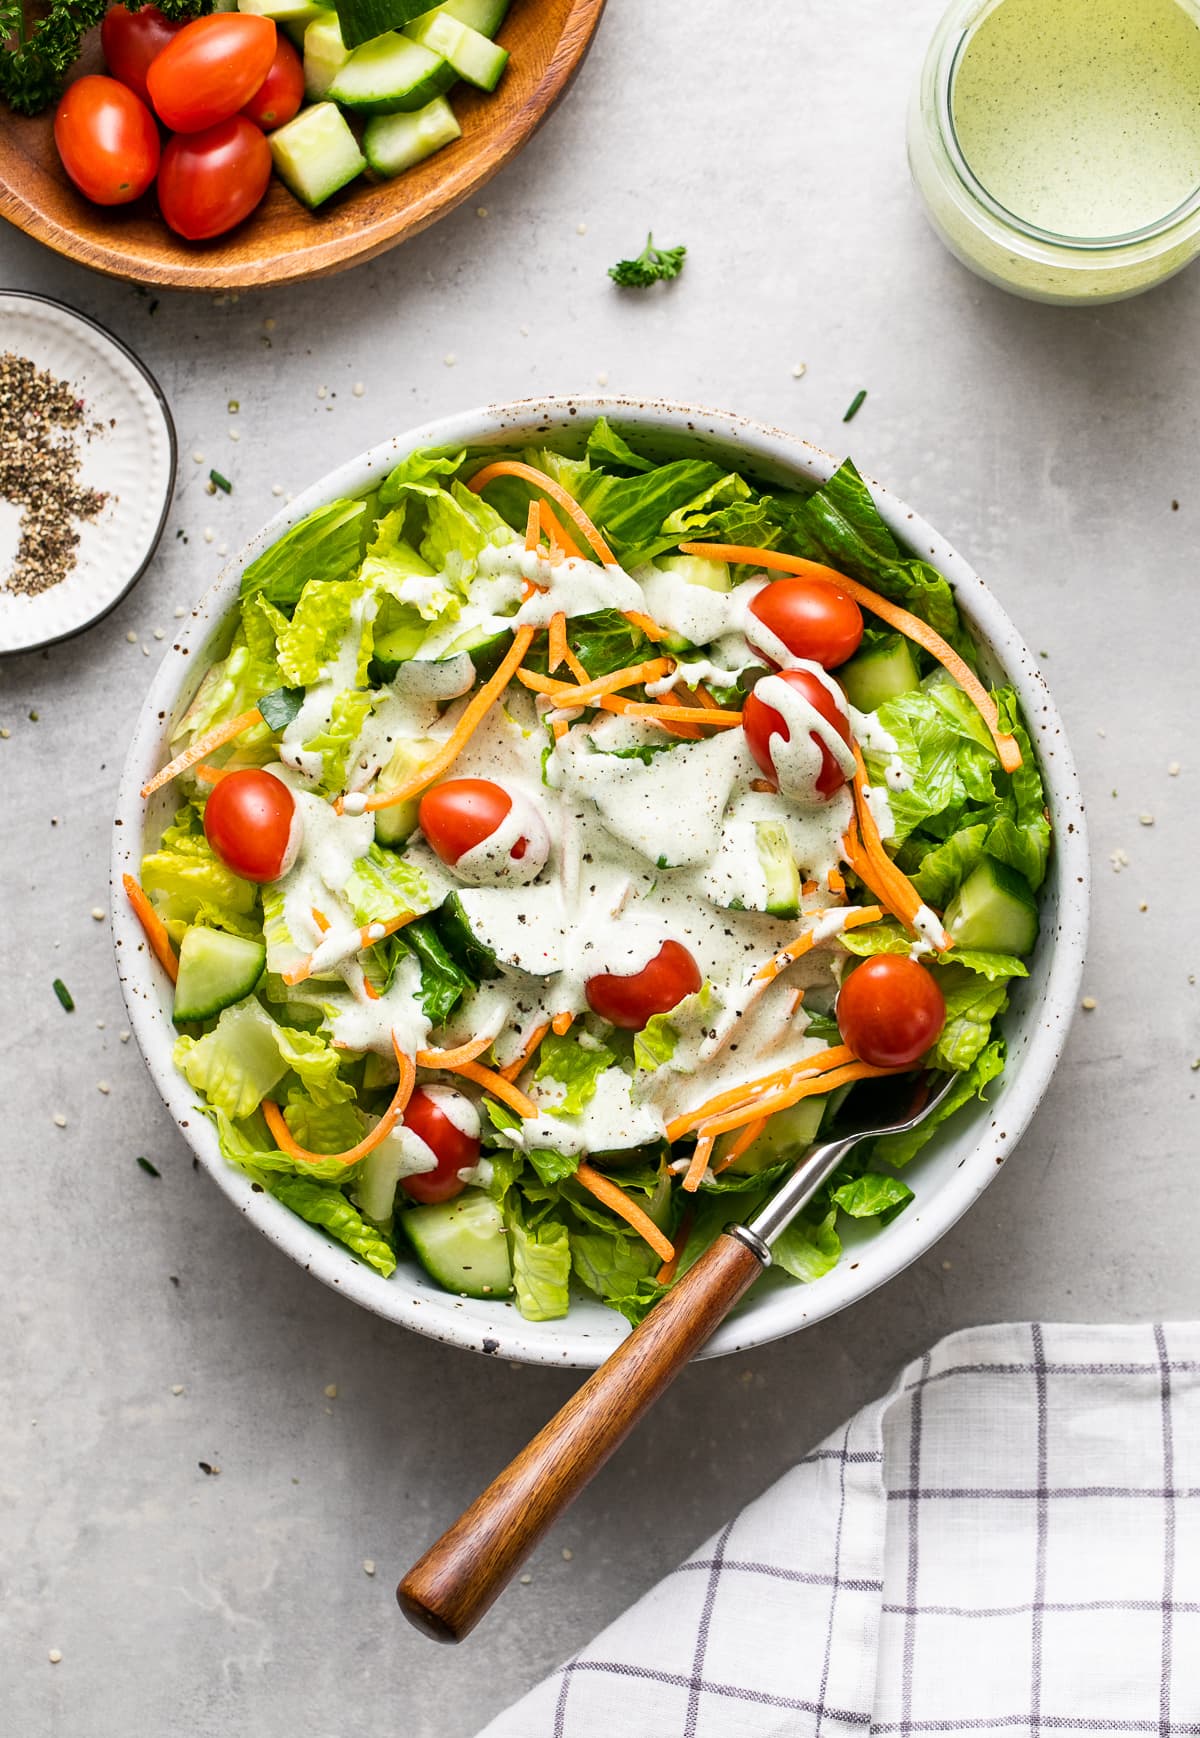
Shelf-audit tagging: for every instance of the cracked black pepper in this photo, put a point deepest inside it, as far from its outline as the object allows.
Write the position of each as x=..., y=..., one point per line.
x=41, y=426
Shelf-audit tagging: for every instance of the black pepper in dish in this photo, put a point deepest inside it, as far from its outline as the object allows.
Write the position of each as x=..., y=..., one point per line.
x=41, y=423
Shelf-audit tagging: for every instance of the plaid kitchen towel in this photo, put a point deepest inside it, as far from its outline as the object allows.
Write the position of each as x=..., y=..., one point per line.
x=1008, y=1542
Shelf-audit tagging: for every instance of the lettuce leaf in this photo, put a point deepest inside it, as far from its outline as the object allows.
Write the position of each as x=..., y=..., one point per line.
x=607, y=450
x=325, y=546
x=325, y=619
x=248, y=1146
x=1023, y=839
x=413, y=594
x=327, y=1128
x=943, y=746
x=247, y=1054
x=808, y=1249
x=426, y=465
x=566, y=1061
x=944, y=866
x=890, y=938
x=444, y=983
x=972, y=1003
x=871, y=1194
x=541, y=1258
x=382, y=885
x=235, y=682
x=329, y=1208
x=553, y=1167
x=897, y=1150
x=658, y=1041
x=619, y=1270
x=631, y=511
x=189, y=884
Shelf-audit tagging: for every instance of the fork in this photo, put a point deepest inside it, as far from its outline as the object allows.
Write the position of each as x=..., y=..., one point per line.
x=456, y=1581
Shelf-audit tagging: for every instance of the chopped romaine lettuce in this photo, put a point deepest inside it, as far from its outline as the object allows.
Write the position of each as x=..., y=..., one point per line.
x=541, y=1260
x=327, y=545
x=809, y=1248
x=329, y=1208
x=573, y=1066
x=382, y=886
x=899, y=1149
x=332, y=618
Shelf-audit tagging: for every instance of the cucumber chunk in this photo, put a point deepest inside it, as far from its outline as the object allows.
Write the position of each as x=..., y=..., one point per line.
x=487, y=649
x=472, y=56
x=284, y=11
x=325, y=54
x=215, y=970
x=462, y=1244
x=995, y=910
x=698, y=570
x=779, y=869
x=393, y=826
x=316, y=154
x=486, y=16
x=785, y=1137
x=393, y=143
x=389, y=74
x=879, y=674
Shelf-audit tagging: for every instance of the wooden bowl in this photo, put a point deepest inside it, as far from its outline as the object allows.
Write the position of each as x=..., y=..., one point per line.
x=283, y=241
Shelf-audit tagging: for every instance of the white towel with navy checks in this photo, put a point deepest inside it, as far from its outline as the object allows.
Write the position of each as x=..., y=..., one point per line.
x=1008, y=1543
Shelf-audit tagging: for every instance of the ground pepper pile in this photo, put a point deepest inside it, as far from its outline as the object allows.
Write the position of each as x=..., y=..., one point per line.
x=41, y=426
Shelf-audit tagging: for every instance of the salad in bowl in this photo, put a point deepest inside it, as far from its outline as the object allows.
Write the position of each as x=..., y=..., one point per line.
x=556, y=836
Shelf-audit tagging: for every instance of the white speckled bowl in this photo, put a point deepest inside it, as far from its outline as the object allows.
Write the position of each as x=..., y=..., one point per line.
x=956, y=1166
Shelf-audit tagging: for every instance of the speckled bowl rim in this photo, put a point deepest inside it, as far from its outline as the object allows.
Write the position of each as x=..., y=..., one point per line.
x=952, y=1172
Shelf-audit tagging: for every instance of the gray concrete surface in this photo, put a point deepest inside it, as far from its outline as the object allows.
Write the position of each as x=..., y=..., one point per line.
x=1051, y=446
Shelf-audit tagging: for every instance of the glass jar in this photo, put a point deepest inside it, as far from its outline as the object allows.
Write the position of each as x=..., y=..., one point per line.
x=1000, y=246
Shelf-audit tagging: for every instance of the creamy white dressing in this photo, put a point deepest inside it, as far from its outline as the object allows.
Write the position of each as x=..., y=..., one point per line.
x=493, y=862
x=797, y=757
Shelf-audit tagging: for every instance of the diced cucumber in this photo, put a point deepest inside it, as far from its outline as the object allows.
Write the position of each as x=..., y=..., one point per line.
x=215, y=970
x=462, y=1244
x=316, y=153
x=398, y=645
x=486, y=16
x=473, y=57
x=390, y=74
x=994, y=909
x=879, y=673
x=460, y=939
x=374, y=1191
x=392, y=143
x=325, y=54
x=284, y=11
x=779, y=868
x=698, y=570
x=393, y=825
x=785, y=1137
x=487, y=650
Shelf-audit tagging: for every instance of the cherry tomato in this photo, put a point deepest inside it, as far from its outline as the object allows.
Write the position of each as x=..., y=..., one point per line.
x=462, y=813
x=761, y=722
x=248, y=821
x=210, y=69
x=107, y=140
x=209, y=181
x=813, y=619
x=890, y=1010
x=280, y=94
x=444, y=1119
x=131, y=40
x=629, y=1002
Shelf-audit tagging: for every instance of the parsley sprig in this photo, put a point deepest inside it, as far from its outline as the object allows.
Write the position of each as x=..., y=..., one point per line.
x=37, y=53
x=653, y=265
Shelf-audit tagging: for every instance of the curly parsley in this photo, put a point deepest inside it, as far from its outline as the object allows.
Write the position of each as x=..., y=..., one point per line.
x=37, y=54
x=653, y=265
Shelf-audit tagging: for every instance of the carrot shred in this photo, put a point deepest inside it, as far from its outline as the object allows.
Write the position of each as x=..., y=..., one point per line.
x=366, y=938
x=618, y=703
x=287, y=1143
x=808, y=1088
x=695, y=1172
x=498, y=1086
x=745, y=1138
x=203, y=745
x=561, y=1024
x=837, y=1056
x=684, y=715
x=533, y=527
x=901, y=619
x=211, y=775
x=369, y=990
x=705, y=698
x=556, y=531
x=763, y=784
x=454, y=1058
x=512, y=1069
x=803, y=943
x=574, y=666
x=320, y=919
x=557, y=650
x=464, y=729
x=890, y=884
x=153, y=925
x=618, y=1201
x=648, y=625
x=548, y=486
x=667, y=1271
x=835, y=880
x=587, y=693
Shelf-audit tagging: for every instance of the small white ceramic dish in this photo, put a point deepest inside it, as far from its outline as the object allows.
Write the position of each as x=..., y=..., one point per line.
x=951, y=1172
x=131, y=460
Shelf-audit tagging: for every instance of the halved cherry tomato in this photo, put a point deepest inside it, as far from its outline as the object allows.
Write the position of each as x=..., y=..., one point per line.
x=248, y=821
x=211, y=69
x=761, y=722
x=890, y=1010
x=443, y=1118
x=280, y=94
x=812, y=618
x=462, y=813
x=629, y=1002
x=209, y=181
x=131, y=40
x=107, y=140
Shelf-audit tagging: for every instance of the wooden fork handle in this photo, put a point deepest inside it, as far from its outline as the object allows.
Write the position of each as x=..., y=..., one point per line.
x=457, y=1579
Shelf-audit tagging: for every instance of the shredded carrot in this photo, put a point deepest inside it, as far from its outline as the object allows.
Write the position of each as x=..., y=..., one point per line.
x=691, y=732
x=808, y=888
x=587, y=693
x=556, y=531
x=287, y=1143
x=909, y=625
x=889, y=882
x=618, y=703
x=498, y=1086
x=211, y=775
x=512, y=1069
x=684, y=715
x=557, y=650
x=574, y=666
x=453, y=1058
x=802, y=944
x=810, y=1088
x=667, y=1271
x=608, y=1193
x=155, y=928
x=464, y=729
x=320, y=919
x=836, y=881
x=648, y=625
x=705, y=698
x=367, y=937
x=685, y=698
x=695, y=1171
x=548, y=486
x=203, y=745
x=561, y=1024
x=837, y=1056
x=763, y=784
x=745, y=1138
x=369, y=990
